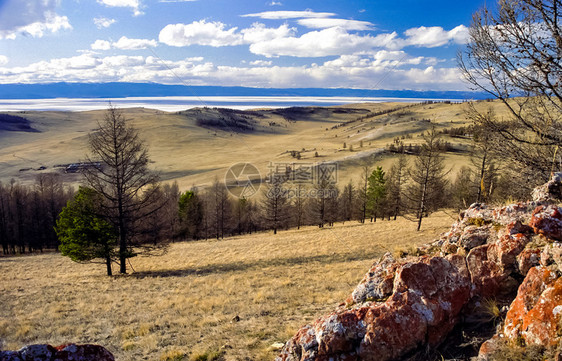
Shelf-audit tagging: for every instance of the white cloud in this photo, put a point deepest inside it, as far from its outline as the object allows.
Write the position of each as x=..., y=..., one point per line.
x=339, y=41
x=323, y=23
x=101, y=45
x=382, y=59
x=327, y=42
x=3, y=60
x=277, y=15
x=125, y=43
x=435, y=36
x=16, y=14
x=133, y=4
x=261, y=63
x=350, y=71
x=52, y=24
x=259, y=32
x=275, y=3
x=200, y=33
x=123, y=61
x=102, y=22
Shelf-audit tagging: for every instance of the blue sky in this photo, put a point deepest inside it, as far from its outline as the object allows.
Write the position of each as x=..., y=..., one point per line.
x=373, y=44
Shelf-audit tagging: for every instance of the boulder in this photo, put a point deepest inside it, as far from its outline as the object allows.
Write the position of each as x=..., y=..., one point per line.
x=82, y=353
x=547, y=221
x=427, y=296
x=377, y=284
x=68, y=352
x=549, y=192
x=536, y=312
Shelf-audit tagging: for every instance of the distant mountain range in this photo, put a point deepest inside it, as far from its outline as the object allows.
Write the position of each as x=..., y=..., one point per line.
x=123, y=90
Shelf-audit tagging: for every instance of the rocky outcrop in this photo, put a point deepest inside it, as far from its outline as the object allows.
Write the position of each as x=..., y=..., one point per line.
x=405, y=305
x=69, y=352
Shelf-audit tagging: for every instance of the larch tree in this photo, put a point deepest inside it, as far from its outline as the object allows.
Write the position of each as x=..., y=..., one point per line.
x=396, y=182
x=362, y=195
x=275, y=203
x=427, y=178
x=120, y=174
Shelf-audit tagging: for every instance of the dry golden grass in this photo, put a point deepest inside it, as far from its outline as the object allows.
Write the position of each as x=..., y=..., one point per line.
x=184, y=305
x=191, y=155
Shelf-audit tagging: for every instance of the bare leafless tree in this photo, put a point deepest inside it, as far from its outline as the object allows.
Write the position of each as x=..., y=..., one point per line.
x=515, y=55
x=275, y=204
x=396, y=182
x=426, y=189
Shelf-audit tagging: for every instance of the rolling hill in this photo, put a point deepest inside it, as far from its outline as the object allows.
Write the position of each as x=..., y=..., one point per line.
x=195, y=146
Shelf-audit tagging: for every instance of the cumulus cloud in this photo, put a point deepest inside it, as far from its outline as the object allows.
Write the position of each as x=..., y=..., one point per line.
x=3, y=60
x=339, y=41
x=275, y=3
x=323, y=23
x=259, y=32
x=125, y=43
x=435, y=36
x=327, y=42
x=261, y=63
x=133, y=4
x=200, y=33
x=16, y=13
x=51, y=24
x=277, y=15
x=357, y=71
x=102, y=22
x=101, y=45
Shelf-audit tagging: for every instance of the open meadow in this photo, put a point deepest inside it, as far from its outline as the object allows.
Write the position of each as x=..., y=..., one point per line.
x=196, y=146
x=237, y=296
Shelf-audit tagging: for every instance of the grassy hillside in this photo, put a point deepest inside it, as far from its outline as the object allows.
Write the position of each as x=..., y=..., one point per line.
x=195, y=146
x=239, y=295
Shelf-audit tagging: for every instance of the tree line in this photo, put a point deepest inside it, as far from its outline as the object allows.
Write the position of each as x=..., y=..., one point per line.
x=28, y=213
x=145, y=215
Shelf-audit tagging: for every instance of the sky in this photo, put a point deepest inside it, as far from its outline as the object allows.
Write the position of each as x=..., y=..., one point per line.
x=362, y=44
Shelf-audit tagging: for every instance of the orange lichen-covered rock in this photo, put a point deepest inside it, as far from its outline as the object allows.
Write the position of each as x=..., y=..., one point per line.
x=547, y=220
x=536, y=312
x=427, y=296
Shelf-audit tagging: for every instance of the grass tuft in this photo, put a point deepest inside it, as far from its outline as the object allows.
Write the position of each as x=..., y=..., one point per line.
x=247, y=292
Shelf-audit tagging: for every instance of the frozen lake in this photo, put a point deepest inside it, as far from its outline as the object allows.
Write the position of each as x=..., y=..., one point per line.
x=177, y=103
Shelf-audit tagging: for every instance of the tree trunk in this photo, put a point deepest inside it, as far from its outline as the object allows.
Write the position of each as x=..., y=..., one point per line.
x=108, y=264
